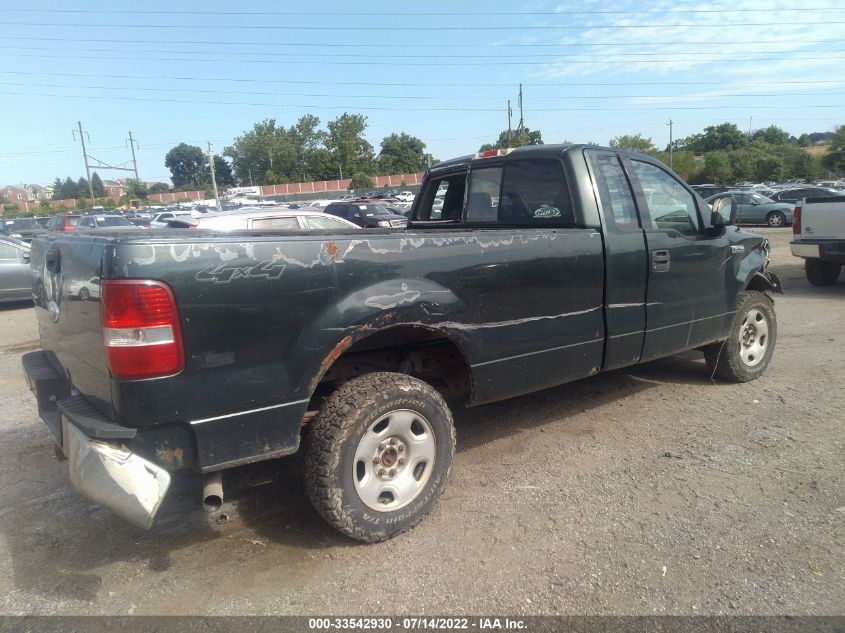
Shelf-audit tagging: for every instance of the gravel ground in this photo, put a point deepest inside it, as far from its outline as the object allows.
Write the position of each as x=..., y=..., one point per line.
x=651, y=490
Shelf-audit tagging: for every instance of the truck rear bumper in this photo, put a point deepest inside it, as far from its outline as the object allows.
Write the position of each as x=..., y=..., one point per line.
x=101, y=467
x=826, y=250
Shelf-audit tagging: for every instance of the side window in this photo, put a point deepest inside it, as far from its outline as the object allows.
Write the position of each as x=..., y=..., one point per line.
x=669, y=204
x=276, y=224
x=53, y=223
x=318, y=223
x=443, y=198
x=615, y=195
x=7, y=251
x=535, y=193
x=483, y=197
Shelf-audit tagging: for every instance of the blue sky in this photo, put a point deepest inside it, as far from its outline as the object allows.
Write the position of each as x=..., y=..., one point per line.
x=193, y=72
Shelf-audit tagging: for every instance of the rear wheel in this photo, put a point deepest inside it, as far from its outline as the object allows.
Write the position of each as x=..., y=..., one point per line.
x=821, y=273
x=747, y=351
x=379, y=455
x=776, y=219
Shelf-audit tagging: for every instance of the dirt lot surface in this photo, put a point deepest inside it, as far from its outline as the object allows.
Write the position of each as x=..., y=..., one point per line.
x=643, y=491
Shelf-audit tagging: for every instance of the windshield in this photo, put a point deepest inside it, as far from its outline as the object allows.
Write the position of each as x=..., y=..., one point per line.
x=373, y=209
x=20, y=224
x=113, y=221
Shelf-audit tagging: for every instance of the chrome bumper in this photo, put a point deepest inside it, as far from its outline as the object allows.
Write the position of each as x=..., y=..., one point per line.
x=101, y=467
x=125, y=483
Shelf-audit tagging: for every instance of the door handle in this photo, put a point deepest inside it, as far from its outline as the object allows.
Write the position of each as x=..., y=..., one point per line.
x=660, y=261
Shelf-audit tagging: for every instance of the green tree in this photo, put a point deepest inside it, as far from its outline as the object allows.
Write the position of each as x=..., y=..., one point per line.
x=835, y=157
x=360, y=180
x=97, y=185
x=222, y=173
x=68, y=189
x=265, y=154
x=350, y=151
x=187, y=166
x=57, y=188
x=528, y=137
x=717, y=169
x=402, y=154
x=773, y=135
x=135, y=189
x=725, y=136
x=159, y=187
x=770, y=167
x=82, y=187
x=633, y=142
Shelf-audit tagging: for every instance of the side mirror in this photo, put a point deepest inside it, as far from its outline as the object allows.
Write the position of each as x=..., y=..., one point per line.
x=25, y=258
x=724, y=212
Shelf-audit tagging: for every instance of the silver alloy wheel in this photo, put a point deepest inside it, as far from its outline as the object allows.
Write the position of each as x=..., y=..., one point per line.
x=753, y=337
x=777, y=219
x=394, y=460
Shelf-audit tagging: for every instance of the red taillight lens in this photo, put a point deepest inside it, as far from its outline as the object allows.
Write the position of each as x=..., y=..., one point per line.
x=141, y=329
x=796, y=221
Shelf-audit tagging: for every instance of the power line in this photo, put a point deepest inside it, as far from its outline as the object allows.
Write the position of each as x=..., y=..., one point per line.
x=288, y=27
x=419, y=14
x=406, y=108
x=336, y=62
x=612, y=56
x=415, y=84
x=411, y=97
x=323, y=45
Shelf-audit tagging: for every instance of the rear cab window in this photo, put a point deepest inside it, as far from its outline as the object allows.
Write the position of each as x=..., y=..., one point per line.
x=515, y=192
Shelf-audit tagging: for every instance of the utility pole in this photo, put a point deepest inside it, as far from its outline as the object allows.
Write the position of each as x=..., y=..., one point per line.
x=251, y=183
x=521, y=119
x=510, y=114
x=132, y=143
x=213, y=178
x=670, y=143
x=341, y=171
x=85, y=156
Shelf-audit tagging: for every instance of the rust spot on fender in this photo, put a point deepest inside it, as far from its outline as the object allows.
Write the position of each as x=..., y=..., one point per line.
x=332, y=250
x=329, y=360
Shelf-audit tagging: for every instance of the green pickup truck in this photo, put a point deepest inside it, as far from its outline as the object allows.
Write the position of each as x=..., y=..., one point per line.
x=518, y=270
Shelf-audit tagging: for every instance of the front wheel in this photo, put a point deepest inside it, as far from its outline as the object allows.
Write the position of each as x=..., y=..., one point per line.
x=379, y=455
x=747, y=351
x=776, y=219
x=821, y=273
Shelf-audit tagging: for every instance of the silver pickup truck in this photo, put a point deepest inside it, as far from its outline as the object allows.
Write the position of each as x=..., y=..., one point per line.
x=819, y=229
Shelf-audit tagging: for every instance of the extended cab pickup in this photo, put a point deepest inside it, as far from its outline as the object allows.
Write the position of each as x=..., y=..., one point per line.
x=819, y=237
x=518, y=271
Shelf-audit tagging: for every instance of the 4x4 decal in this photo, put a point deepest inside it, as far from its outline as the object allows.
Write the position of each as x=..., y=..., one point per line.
x=226, y=273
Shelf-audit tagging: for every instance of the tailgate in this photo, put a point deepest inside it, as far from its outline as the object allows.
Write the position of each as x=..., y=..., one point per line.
x=66, y=282
x=823, y=219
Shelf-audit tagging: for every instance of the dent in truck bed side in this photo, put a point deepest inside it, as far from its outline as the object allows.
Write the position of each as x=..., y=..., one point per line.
x=523, y=305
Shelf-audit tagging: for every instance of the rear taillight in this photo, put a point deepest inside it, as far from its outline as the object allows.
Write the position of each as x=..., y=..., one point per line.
x=796, y=221
x=141, y=329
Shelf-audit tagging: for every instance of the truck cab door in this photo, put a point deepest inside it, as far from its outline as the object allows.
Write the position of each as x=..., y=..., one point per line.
x=626, y=265
x=687, y=302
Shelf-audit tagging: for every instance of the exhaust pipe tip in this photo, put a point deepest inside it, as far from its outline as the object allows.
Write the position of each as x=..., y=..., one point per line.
x=212, y=492
x=212, y=503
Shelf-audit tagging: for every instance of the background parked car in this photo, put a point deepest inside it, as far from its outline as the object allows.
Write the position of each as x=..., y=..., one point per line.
x=279, y=219
x=15, y=282
x=367, y=214
x=755, y=208
x=108, y=222
x=21, y=228
x=708, y=190
x=63, y=222
x=160, y=220
x=799, y=193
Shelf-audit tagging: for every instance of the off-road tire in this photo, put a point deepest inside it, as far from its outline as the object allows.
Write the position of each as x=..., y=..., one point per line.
x=335, y=433
x=776, y=219
x=724, y=360
x=821, y=273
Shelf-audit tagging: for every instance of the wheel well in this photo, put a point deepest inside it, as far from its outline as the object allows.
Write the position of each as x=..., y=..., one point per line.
x=414, y=350
x=759, y=282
